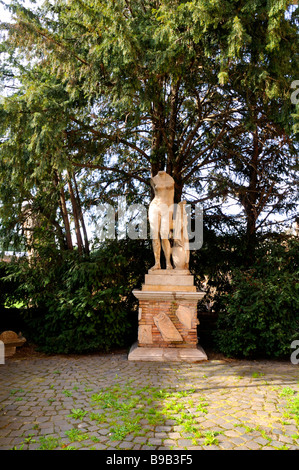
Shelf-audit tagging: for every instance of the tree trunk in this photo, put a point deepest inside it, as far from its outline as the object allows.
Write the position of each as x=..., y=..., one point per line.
x=81, y=218
x=158, y=152
x=251, y=200
x=64, y=212
x=75, y=215
x=250, y=233
x=178, y=186
x=158, y=157
x=60, y=235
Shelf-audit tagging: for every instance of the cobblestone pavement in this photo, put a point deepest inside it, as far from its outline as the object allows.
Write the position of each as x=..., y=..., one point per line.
x=107, y=402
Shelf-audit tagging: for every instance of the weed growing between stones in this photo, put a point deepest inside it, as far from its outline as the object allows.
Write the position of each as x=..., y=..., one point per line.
x=124, y=410
x=128, y=415
x=130, y=411
x=49, y=442
x=292, y=409
x=75, y=435
x=78, y=414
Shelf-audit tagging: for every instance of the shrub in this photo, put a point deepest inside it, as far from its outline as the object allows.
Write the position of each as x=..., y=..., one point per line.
x=81, y=304
x=260, y=313
x=6, y=288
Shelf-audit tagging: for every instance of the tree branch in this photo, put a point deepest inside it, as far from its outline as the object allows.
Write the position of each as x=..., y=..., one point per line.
x=113, y=169
x=111, y=138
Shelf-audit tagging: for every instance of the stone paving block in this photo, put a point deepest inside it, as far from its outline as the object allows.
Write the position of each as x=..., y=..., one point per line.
x=184, y=443
x=232, y=433
x=160, y=435
x=139, y=440
x=290, y=429
x=277, y=444
x=104, y=431
x=136, y=447
x=155, y=441
x=252, y=445
x=226, y=445
x=169, y=442
x=170, y=422
x=262, y=441
x=163, y=428
x=237, y=441
x=210, y=447
x=286, y=439
x=8, y=442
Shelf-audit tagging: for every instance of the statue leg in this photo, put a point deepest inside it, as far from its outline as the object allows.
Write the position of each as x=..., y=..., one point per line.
x=167, y=252
x=157, y=253
x=155, y=222
x=165, y=231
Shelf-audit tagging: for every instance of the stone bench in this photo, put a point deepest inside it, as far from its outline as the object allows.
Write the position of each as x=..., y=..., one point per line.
x=11, y=341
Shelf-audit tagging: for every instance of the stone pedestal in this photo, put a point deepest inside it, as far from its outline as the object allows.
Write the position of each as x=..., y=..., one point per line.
x=167, y=321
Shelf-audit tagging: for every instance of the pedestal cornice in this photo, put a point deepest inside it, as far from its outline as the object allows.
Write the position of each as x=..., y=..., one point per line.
x=168, y=295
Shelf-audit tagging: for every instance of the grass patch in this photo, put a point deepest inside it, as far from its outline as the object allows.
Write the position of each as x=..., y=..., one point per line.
x=293, y=409
x=210, y=438
x=120, y=431
x=78, y=414
x=125, y=407
x=287, y=392
x=75, y=435
x=98, y=417
x=49, y=442
x=257, y=375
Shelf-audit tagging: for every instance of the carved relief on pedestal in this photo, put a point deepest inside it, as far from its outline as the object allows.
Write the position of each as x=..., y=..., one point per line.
x=185, y=315
x=167, y=328
x=145, y=334
x=139, y=313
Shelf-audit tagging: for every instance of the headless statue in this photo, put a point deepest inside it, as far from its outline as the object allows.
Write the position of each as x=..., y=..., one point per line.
x=161, y=217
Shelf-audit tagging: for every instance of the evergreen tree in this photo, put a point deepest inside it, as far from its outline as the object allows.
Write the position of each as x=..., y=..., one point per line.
x=126, y=88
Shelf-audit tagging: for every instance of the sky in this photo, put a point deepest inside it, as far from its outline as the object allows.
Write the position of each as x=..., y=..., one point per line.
x=3, y=12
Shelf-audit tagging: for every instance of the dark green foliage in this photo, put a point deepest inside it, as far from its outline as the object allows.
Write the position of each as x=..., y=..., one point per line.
x=211, y=265
x=77, y=305
x=2, y=274
x=10, y=318
x=260, y=312
x=7, y=288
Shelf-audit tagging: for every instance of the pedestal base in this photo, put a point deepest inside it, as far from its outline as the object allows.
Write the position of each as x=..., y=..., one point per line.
x=153, y=354
x=167, y=318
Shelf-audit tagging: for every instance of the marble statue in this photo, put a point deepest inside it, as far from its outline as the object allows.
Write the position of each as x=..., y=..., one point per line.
x=160, y=217
x=163, y=223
